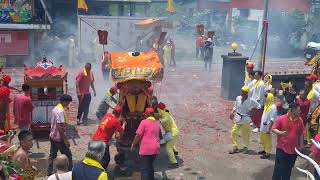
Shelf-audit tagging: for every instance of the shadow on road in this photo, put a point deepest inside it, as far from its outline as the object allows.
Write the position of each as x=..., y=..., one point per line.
x=161, y=165
x=266, y=174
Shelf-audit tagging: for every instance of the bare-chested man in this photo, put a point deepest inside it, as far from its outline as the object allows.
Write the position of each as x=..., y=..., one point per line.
x=21, y=155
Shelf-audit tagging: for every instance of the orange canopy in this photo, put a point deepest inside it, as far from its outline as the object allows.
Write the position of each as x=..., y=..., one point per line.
x=127, y=66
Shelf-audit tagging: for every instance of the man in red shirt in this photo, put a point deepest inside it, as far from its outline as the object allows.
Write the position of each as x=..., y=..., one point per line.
x=107, y=127
x=22, y=109
x=84, y=80
x=199, y=45
x=289, y=129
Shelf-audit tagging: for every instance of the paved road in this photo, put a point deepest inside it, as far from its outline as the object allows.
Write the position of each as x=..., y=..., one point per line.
x=193, y=96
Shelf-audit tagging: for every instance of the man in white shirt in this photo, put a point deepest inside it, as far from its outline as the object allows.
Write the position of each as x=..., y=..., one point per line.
x=268, y=117
x=241, y=118
x=257, y=94
x=57, y=136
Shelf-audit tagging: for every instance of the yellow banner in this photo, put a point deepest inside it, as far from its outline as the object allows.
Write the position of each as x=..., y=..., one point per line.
x=82, y=5
x=170, y=7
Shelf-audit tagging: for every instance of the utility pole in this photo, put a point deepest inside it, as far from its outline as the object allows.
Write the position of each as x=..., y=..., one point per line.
x=263, y=42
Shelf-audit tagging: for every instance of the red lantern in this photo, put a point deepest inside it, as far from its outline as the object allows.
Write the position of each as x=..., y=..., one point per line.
x=103, y=37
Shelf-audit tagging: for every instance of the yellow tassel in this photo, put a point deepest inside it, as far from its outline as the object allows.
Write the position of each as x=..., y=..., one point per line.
x=64, y=113
x=131, y=101
x=170, y=7
x=141, y=102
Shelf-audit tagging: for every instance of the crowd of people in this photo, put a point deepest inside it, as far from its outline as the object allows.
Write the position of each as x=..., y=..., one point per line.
x=111, y=124
x=293, y=117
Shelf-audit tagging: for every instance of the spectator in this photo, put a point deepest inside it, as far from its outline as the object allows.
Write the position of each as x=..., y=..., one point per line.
x=21, y=155
x=173, y=53
x=167, y=50
x=289, y=129
x=208, y=54
x=22, y=109
x=90, y=168
x=199, y=42
x=105, y=65
x=84, y=80
x=61, y=165
x=57, y=136
x=148, y=134
x=304, y=105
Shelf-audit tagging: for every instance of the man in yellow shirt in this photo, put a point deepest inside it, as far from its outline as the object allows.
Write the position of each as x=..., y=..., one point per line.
x=172, y=133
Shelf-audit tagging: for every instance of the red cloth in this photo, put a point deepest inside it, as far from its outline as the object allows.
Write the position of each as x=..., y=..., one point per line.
x=295, y=130
x=22, y=109
x=256, y=116
x=84, y=82
x=107, y=127
x=315, y=150
x=304, y=105
x=199, y=42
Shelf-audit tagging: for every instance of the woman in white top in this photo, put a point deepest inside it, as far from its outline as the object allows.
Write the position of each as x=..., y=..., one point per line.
x=268, y=117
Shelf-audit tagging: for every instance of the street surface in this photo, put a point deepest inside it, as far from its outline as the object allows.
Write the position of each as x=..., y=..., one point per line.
x=193, y=97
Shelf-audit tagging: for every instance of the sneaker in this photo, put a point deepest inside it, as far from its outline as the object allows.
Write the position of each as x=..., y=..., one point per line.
x=265, y=156
x=234, y=150
x=174, y=165
x=261, y=152
x=255, y=130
